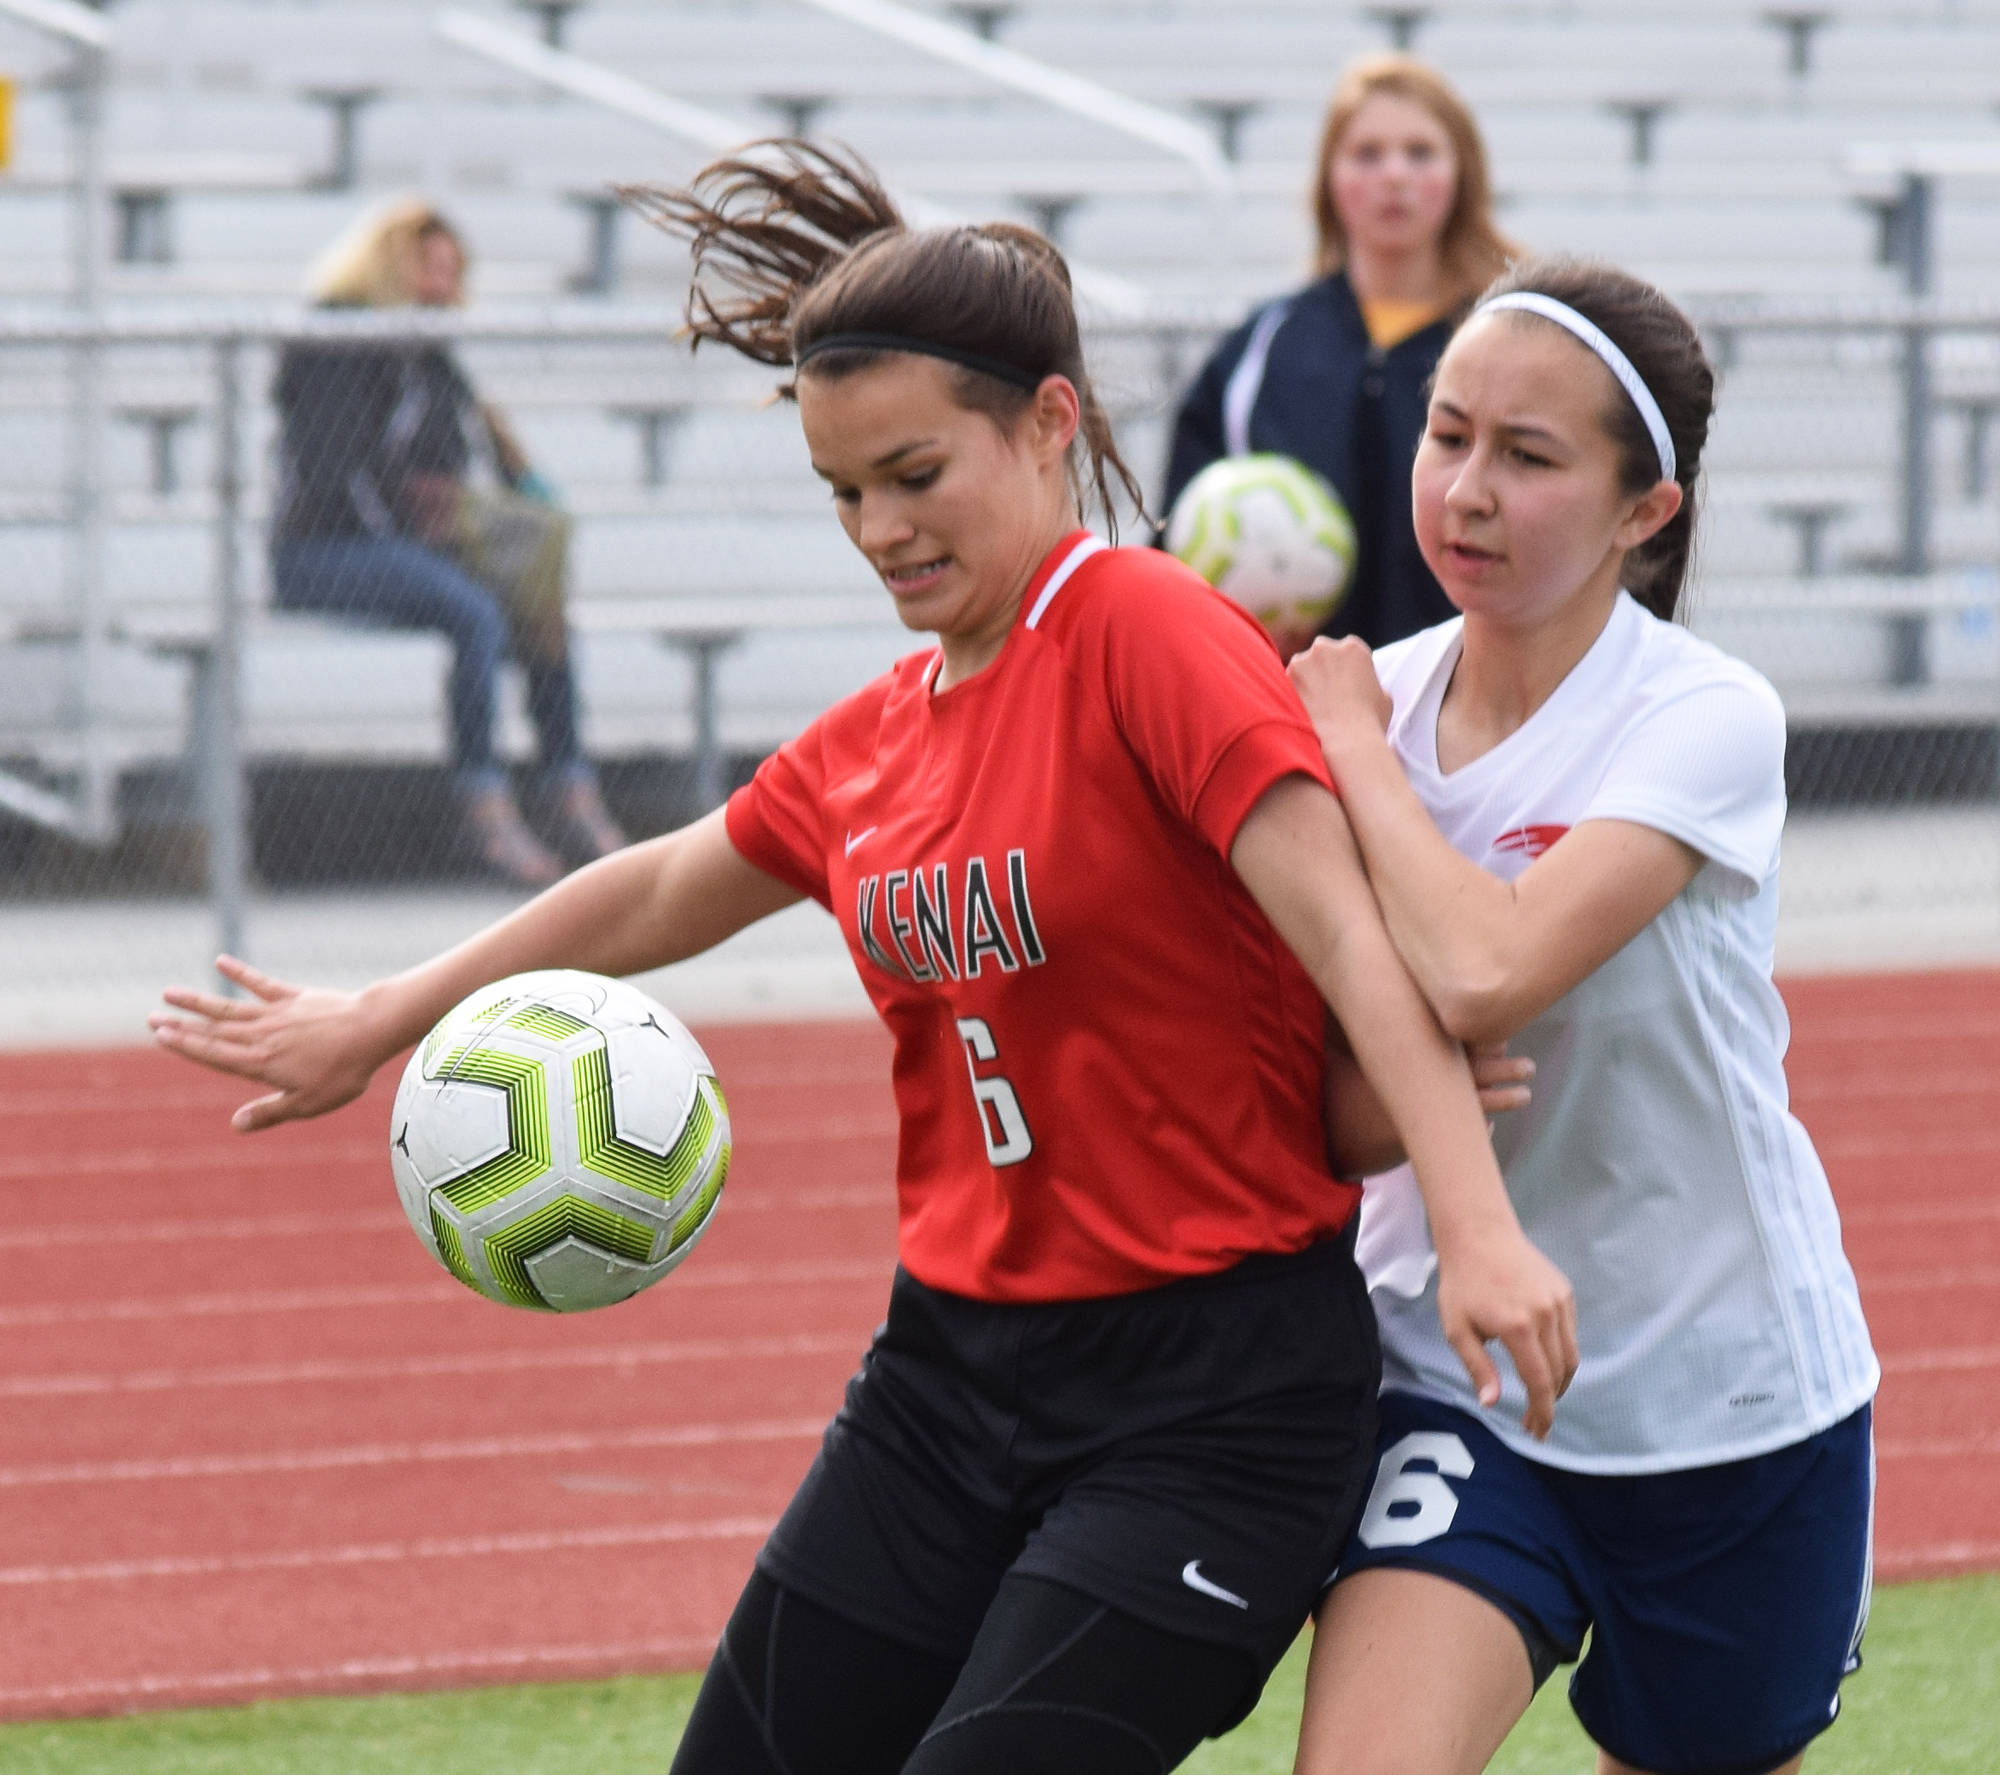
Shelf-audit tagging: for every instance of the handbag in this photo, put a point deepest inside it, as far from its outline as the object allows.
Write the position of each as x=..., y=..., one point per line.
x=518, y=548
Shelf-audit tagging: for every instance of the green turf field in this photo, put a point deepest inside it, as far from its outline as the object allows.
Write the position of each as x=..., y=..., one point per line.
x=1927, y=1703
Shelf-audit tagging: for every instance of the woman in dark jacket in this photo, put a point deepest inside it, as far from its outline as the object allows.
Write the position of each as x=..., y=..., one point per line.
x=1337, y=374
x=375, y=521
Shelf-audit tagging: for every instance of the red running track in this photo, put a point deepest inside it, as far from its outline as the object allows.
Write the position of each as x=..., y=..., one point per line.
x=253, y=1442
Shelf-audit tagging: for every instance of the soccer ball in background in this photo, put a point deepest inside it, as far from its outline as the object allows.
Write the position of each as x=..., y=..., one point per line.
x=1270, y=534
x=559, y=1141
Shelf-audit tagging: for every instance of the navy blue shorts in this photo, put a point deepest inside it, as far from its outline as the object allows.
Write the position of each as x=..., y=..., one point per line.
x=1724, y=1604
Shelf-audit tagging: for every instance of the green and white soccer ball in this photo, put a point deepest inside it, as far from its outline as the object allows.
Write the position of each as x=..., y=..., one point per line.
x=1269, y=533
x=559, y=1141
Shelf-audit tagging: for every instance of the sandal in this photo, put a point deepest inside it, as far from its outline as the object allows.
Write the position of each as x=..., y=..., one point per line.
x=588, y=830
x=504, y=843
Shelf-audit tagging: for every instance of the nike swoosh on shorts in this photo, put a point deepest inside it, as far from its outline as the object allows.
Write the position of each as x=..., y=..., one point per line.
x=1192, y=1578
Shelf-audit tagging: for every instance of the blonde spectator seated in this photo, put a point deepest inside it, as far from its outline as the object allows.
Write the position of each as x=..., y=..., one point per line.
x=407, y=502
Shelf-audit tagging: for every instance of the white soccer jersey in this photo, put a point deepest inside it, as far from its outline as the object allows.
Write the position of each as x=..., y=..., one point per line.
x=1659, y=1164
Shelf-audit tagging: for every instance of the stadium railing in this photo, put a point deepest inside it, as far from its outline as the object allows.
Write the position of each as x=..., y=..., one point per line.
x=239, y=751
x=1744, y=189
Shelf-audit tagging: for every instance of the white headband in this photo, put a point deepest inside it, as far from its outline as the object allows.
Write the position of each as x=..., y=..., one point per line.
x=1615, y=361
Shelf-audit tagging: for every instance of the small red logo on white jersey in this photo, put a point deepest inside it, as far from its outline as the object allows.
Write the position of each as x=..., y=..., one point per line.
x=1530, y=841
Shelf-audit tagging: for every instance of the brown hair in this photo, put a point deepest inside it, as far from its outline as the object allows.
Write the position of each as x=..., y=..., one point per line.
x=1665, y=349
x=1473, y=250
x=795, y=244
x=369, y=265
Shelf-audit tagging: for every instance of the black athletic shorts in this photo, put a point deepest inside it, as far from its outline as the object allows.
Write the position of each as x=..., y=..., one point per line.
x=1192, y=1455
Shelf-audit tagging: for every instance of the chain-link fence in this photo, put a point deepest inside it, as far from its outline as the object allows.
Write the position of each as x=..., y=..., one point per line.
x=1851, y=551
x=284, y=612
x=285, y=603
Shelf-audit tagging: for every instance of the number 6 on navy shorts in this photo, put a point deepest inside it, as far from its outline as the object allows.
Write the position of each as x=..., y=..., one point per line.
x=1724, y=1604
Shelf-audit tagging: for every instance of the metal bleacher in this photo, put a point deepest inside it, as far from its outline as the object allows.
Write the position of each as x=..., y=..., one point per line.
x=1744, y=189
x=1737, y=185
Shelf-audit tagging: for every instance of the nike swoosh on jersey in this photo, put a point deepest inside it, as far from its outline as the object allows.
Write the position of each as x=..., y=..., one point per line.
x=1192, y=1578
x=858, y=838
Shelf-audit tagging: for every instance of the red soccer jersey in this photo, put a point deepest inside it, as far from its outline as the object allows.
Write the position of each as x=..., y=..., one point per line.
x=1108, y=1065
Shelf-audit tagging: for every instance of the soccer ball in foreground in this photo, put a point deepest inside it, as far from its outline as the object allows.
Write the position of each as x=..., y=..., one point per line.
x=559, y=1141
x=1270, y=534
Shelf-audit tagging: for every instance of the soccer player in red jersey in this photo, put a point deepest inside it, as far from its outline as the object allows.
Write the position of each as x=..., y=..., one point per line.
x=1097, y=1461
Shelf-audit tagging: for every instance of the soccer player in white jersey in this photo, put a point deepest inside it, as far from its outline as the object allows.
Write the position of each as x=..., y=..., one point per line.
x=1572, y=821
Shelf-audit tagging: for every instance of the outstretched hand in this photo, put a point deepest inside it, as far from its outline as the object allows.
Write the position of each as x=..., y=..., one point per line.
x=314, y=1047
x=1503, y=1288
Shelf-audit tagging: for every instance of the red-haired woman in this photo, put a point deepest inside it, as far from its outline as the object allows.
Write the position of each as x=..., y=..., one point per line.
x=1084, y=853
x=1335, y=374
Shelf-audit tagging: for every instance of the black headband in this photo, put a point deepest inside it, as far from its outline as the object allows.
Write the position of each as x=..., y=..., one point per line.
x=1027, y=380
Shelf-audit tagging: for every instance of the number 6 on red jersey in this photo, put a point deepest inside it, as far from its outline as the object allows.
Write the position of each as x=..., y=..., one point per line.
x=1015, y=1142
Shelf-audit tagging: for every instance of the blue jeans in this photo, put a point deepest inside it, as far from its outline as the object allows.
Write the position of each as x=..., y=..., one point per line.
x=394, y=583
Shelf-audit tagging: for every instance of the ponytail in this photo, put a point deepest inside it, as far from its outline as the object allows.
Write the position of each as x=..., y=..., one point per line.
x=798, y=247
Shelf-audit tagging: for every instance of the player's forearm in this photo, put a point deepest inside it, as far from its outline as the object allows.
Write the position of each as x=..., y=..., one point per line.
x=1361, y=1140
x=643, y=907
x=1457, y=928
x=584, y=921
x=1298, y=859
x=1425, y=1086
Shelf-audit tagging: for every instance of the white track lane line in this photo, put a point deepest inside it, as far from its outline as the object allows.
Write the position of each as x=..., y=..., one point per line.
x=109, y=1100
x=746, y=1349
x=126, y=1161
x=192, y=1232
x=1948, y=1211
x=402, y=1454
x=756, y=1200
x=256, y=1303
x=208, y=1306
x=1876, y=1086
x=1981, y=1554
x=1895, y=1028
x=1938, y=1448
x=1939, y=1361
x=299, y=1374
x=1908, y=1146
x=112, y=1100
x=640, y=1654
x=342, y=1299
x=541, y=1660
x=646, y=1534
x=1977, y=1275
x=752, y=1135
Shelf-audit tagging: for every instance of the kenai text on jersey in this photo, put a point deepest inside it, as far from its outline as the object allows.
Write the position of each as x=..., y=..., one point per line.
x=938, y=923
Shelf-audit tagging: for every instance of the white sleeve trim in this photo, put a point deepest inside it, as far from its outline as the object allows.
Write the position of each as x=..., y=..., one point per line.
x=1730, y=868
